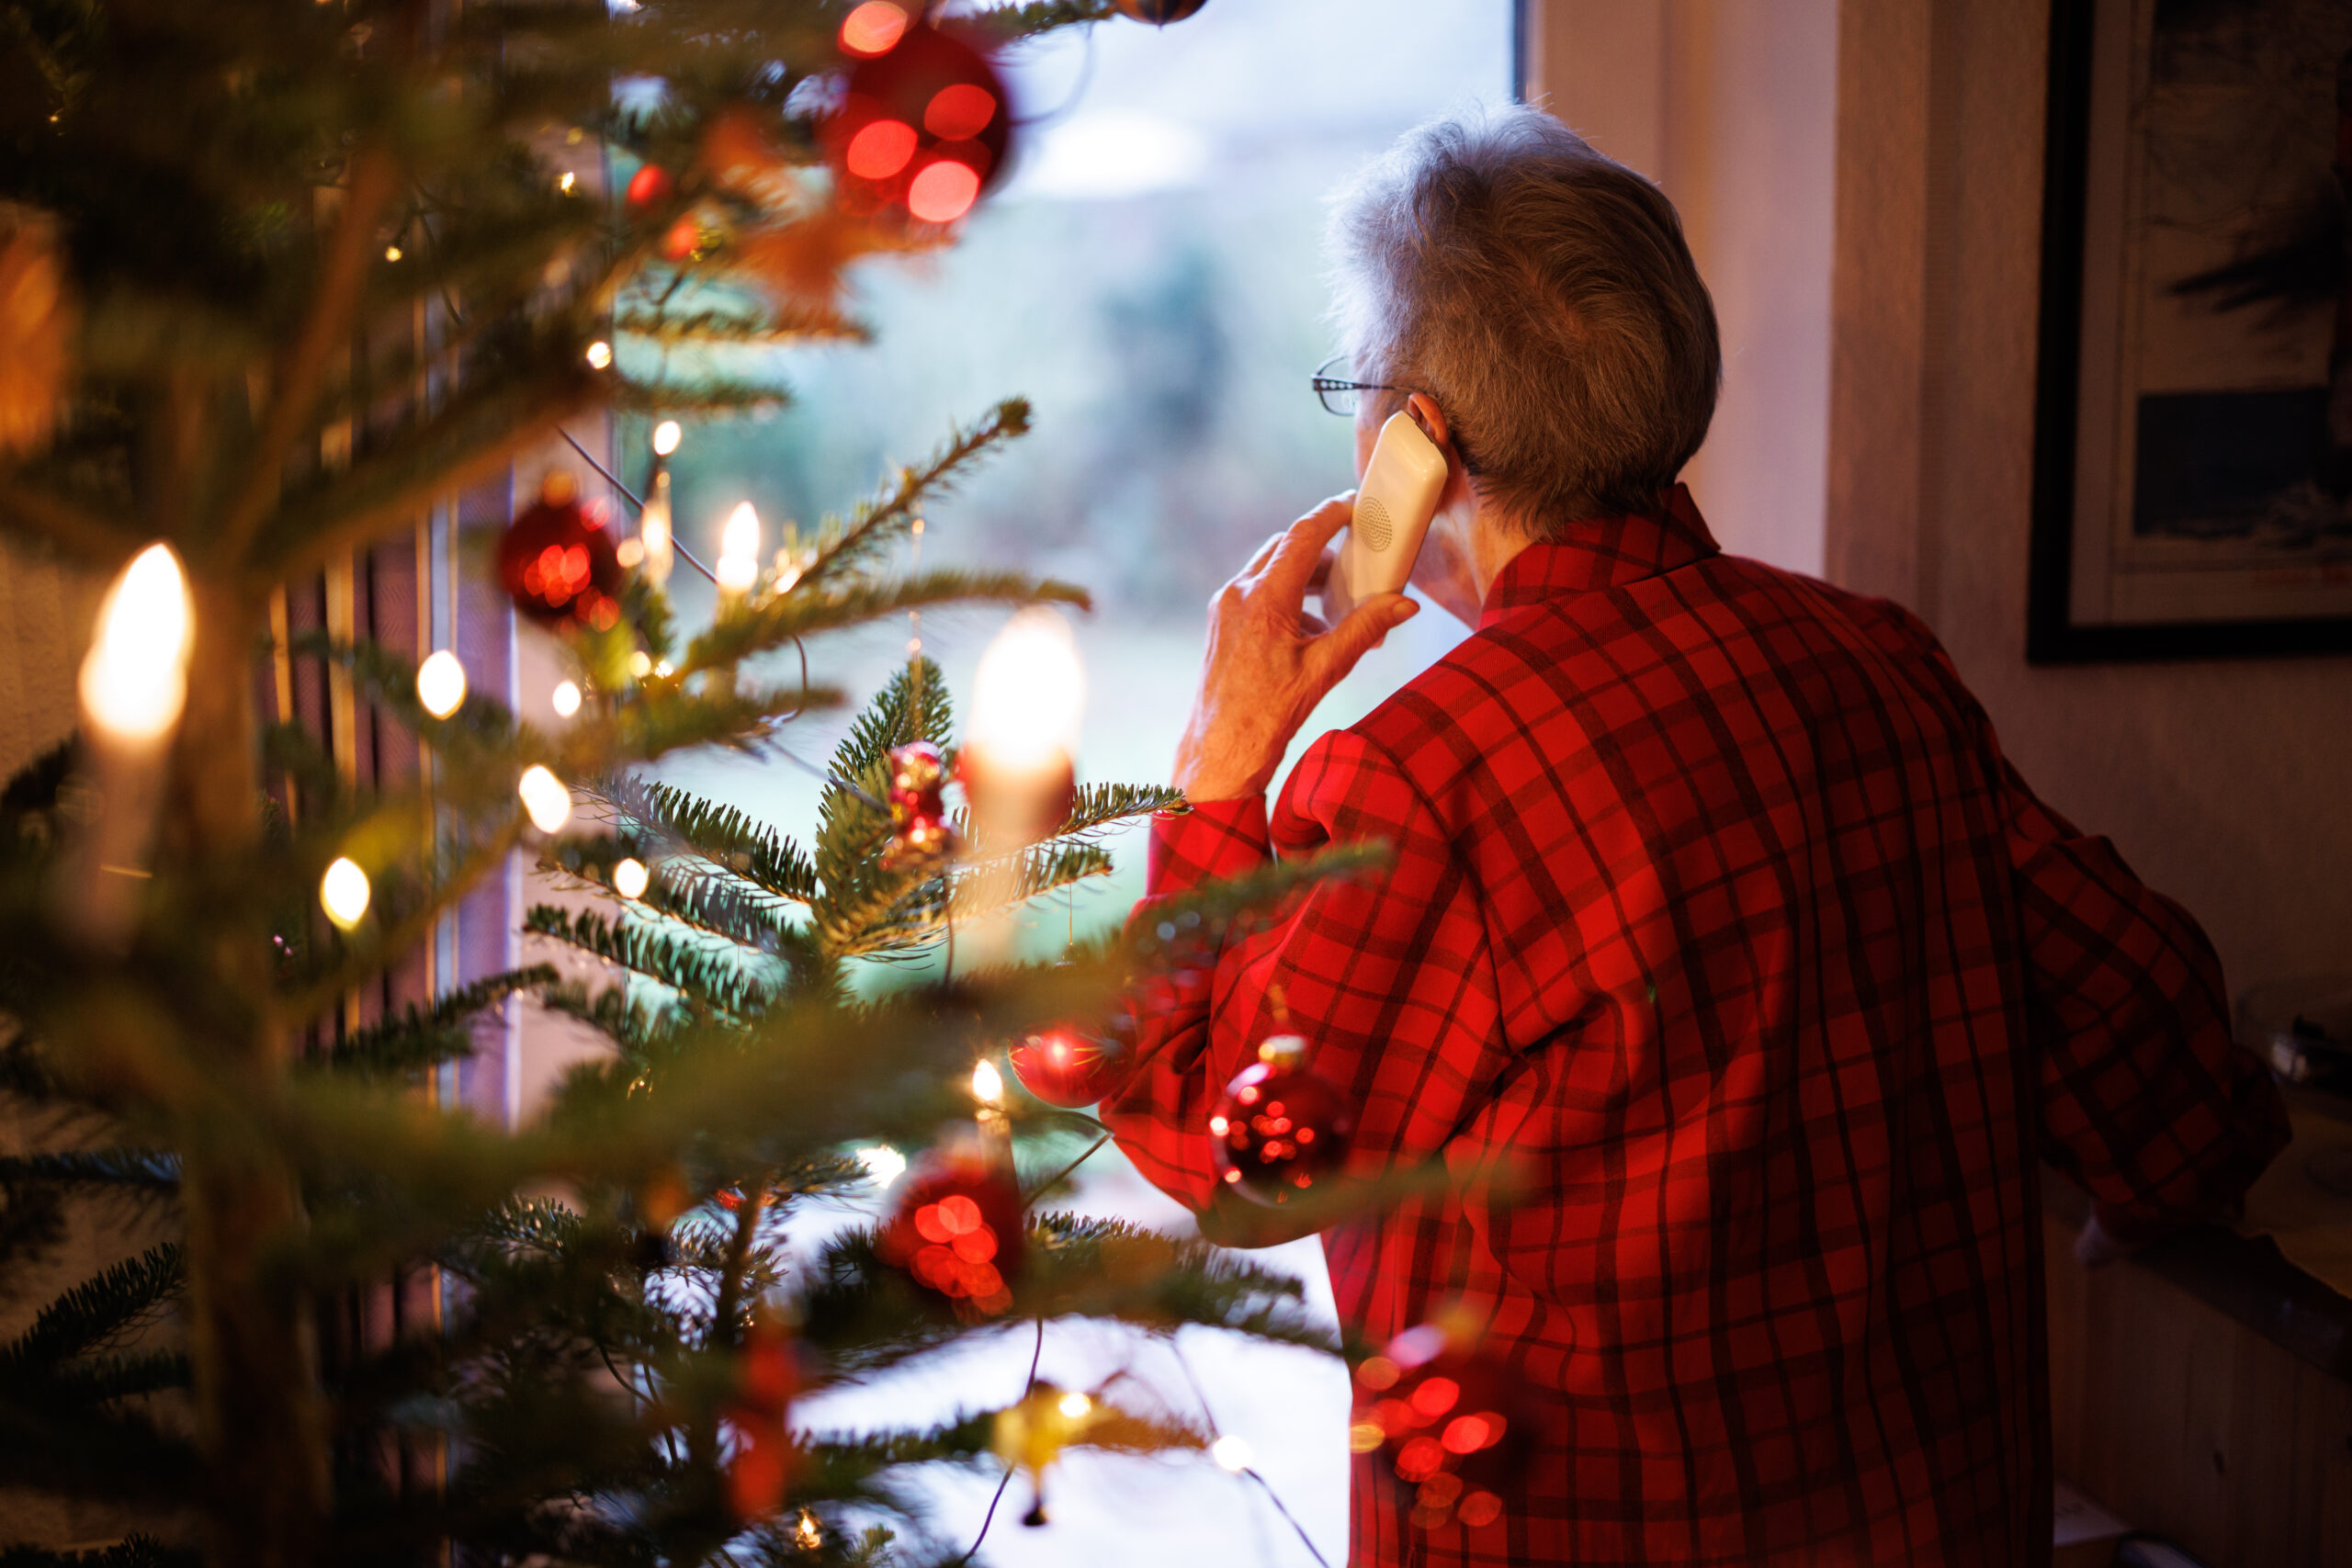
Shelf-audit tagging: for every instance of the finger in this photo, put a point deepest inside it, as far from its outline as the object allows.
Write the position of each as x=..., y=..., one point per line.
x=1331, y=656
x=1325, y=564
x=1302, y=542
x=1265, y=553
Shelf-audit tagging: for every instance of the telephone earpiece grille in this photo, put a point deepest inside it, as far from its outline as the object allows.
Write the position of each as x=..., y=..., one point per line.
x=1373, y=527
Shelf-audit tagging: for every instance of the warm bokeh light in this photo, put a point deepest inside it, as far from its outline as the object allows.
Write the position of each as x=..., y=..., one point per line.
x=1076, y=1405
x=958, y=110
x=630, y=879
x=391, y=253
x=640, y=664
x=441, y=683
x=344, y=892
x=880, y=150
x=1231, y=1453
x=884, y=1165
x=600, y=355
x=134, y=680
x=565, y=698
x=987, y=1084
x=566, y=181
x=873, y=28
x=1029, y=693
x=666, y=438
x=943, y=191
x=738, y=550
x=545, y=799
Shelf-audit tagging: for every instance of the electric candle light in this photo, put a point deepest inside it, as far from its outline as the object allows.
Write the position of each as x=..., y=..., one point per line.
x=565, y=698
x=545, y=799
x=996, y=1129
x=343, y=893
x=739, y=551
x=600, y=355
x=441, y=683
x=134, y=681
x=1026, y=706
x=666, y=438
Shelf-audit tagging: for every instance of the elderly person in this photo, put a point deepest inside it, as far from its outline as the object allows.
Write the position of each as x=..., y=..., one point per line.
x=1734, y=980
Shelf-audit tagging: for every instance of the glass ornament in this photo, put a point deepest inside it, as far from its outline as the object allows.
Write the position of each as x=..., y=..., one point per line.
x=1281, y=1127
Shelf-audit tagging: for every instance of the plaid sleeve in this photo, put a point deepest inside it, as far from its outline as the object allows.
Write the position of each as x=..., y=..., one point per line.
x=1386, y=976
x=2146, y=1101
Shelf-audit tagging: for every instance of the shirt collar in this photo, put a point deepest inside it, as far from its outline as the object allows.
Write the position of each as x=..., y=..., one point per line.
x=1602, y=552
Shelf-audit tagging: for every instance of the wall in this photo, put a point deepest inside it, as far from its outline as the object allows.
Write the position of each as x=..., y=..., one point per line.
x=2225, y=784
x=1730, y=105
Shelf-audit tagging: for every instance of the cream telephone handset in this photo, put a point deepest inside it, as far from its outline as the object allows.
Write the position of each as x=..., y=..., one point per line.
x=1394, y=505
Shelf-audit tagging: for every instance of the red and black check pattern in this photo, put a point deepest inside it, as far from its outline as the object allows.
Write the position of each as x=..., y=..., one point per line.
x=1739, y=984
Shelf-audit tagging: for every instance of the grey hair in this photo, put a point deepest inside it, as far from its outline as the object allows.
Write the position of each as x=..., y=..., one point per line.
x=1542, y=295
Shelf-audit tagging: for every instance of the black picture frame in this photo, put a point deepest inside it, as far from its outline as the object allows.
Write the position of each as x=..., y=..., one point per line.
x=2052, y=636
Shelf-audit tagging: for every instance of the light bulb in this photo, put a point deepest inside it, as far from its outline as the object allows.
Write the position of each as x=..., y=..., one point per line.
x=1076, y=1405
x=567, y=182
x=343, y=893
x=640, y=664
x=1029, y=693
x=1231, y=1452
x=545, y=799
x=391, y=253
x=653, y=541
x=631, y=877
x=134, y=681
x=666, y=438
x=987, y=1084
x=600, y=355
x=883, y=1164
x=565, y=698
x=441, y=683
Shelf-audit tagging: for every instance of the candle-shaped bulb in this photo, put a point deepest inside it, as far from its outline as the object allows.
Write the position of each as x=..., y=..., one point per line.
x=738, y=550
x=987, y=1084
x=441, y=683
x=134, y=681
x=565, y=698
x=666, y=438
x=654, y=530
x=630, y=879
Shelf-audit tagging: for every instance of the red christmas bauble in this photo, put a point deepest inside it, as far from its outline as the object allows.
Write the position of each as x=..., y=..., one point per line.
x=921, y=837
x=923, y=121
x=959, y=1232
x=651, y=183
x=767, y=1377
x=1159, y=12
x=1073, y=1067
x=1281, y=1127
x=682, y=240
x=558, y=564
x=1448, y=1417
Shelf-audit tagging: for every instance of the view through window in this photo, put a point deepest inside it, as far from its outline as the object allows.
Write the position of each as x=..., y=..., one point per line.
x=1150, y=276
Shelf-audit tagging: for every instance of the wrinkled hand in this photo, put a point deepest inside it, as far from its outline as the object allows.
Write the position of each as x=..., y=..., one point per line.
x=1268, y=661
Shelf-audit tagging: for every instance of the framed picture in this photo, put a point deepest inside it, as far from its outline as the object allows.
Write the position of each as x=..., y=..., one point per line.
x=2193, y=441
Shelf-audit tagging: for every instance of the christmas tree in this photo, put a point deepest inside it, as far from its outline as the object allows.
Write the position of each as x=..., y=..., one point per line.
x=276, y=277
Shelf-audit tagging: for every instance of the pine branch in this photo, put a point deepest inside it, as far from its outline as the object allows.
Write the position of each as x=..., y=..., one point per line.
x=719, y=834
x=71, y=528
x=717, y=978
x=420, y=1038
x=878, y=523
x=1004, y=23
x=807, y=608
x=156, y=1170
x=132, y=1551
x=95, y=1314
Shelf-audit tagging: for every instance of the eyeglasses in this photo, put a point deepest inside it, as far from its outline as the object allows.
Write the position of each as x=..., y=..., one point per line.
x=1338, y=395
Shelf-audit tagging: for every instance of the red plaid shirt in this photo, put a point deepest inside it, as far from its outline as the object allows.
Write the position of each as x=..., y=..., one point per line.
x=1717, y=914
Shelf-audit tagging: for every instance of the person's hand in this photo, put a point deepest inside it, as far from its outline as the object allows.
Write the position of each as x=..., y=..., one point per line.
x=1268, y=661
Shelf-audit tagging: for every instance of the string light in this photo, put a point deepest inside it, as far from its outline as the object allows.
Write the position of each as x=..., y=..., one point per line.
x=566, y=183
x=666, y=438
x=630, y=879
x=545, y=799
x=391, y=253
x=987, y=1084
x=640, y=664
x=884, y=1165
x=134, y=681
x=565, y=698
x=1231, y=1453
x=1076, y=1406
x=441, y=683
x=343, y=893
x=808, y=1533
x=600, y=355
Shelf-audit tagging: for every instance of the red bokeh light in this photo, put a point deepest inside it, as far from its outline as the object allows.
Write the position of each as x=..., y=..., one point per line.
x=873, y=28
x=943, y=191
x=880, y=150
x=959, y=112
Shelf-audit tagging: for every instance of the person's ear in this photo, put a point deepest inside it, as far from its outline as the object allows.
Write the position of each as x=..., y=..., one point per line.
x=1432, y=419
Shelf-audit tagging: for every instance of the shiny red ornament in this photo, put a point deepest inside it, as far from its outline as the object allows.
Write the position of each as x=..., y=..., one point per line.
x=1073, y=1067
x=650, y=184
x=1450, y=1419
x=960, y=1231
x=1159, y=12
x=921, y=838
x=558, y=564
x=924, y=121
x=1281, y=1127
x=684, y=238
x=767, y=1377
